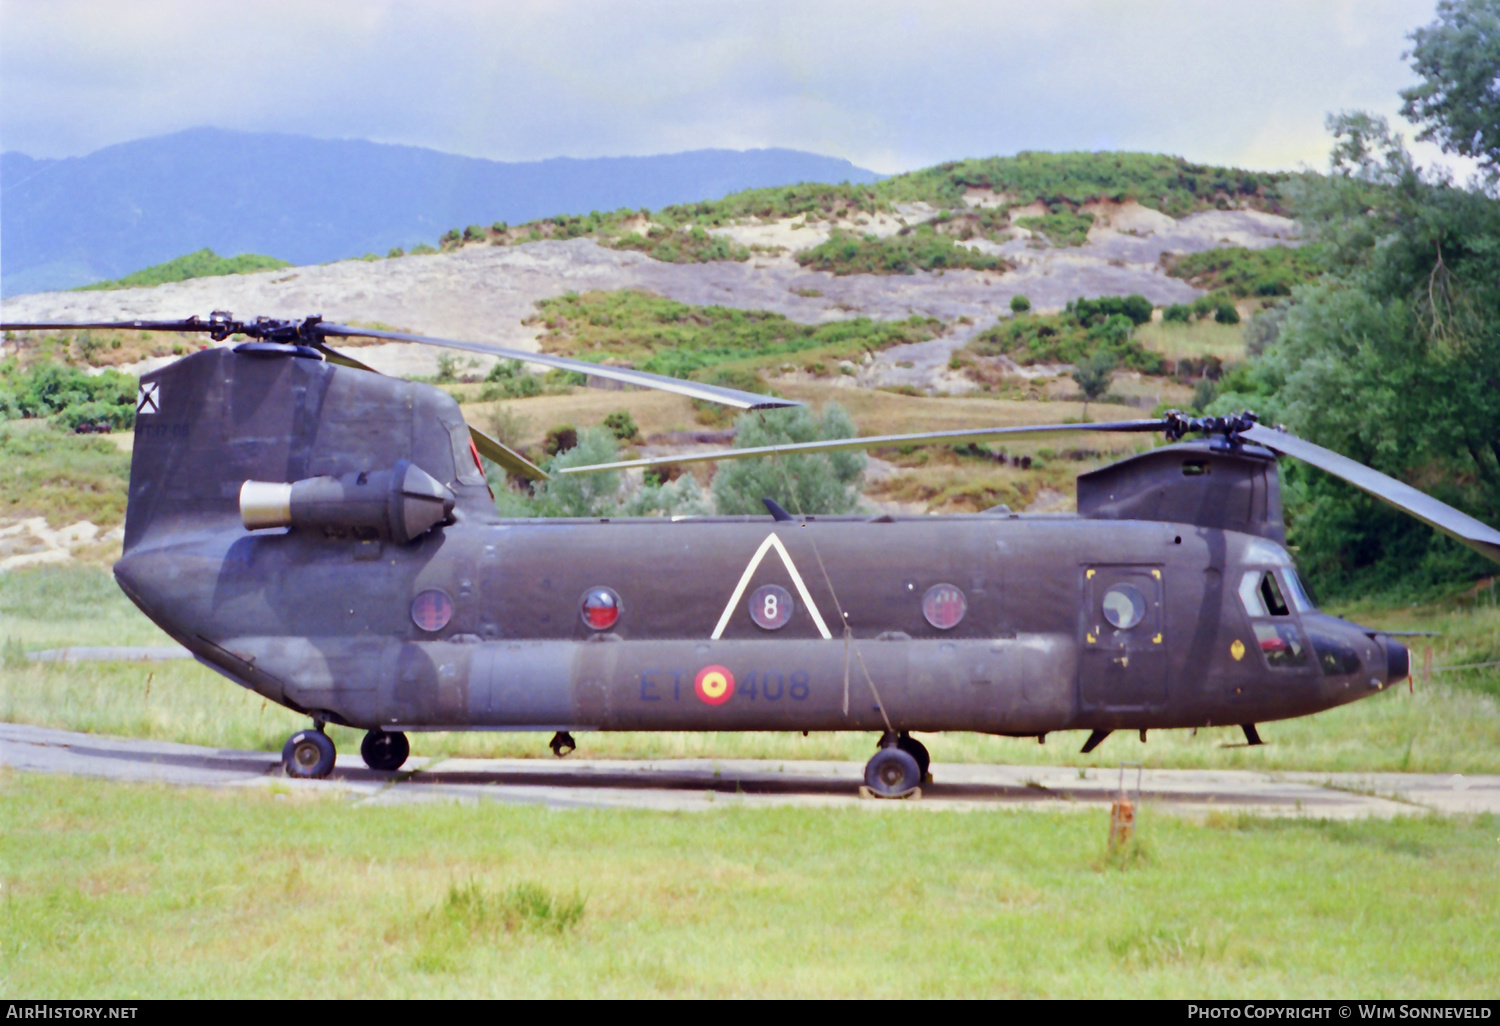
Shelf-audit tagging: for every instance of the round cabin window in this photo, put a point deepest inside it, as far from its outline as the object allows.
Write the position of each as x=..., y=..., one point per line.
x=1124, y=606
x=431, y=610
x=600, y=608
x=944, y=606
x=771, y=607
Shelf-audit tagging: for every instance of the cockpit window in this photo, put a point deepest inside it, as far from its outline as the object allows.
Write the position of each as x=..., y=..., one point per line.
x=1270, y=594
x=1250, y=594
x=1335, y=655
x=1281, y=645
x=1261, y=594
x=1281, y=642
x=1297, y=593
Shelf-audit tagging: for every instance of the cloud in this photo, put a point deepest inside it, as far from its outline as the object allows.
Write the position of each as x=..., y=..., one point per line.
x=889, y=85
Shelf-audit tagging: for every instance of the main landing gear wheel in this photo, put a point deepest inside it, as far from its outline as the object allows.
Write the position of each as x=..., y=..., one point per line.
x=562, y=744
x=892, y=773
x=309, y=755
x=383, y=751
x=917, y=750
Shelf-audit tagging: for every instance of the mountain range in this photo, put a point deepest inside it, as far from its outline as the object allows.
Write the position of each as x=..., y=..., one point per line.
x=72, y=221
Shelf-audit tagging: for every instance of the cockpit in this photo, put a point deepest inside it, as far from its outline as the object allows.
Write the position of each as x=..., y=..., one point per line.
x=1292, y=634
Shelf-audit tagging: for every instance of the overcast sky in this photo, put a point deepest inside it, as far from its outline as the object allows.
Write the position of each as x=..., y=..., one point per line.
x=889, y=85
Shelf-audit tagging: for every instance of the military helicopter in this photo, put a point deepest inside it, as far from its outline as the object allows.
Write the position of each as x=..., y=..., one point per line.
x=324, y=536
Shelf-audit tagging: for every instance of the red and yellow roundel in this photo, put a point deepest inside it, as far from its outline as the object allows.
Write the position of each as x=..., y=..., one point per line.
x=714, y=684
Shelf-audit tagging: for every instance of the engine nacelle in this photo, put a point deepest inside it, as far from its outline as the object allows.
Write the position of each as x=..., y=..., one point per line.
x=398, y=504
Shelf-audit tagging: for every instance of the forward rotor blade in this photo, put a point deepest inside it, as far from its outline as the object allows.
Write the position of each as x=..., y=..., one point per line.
x=874, y=441
x=693, y=389
x=499, y=453
x=1461, y=527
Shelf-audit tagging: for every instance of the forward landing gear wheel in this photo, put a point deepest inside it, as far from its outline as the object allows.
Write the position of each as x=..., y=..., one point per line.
x=892, y=773
x=562, y=744
x=308, y=755
x=917, y=750
x=384, y=751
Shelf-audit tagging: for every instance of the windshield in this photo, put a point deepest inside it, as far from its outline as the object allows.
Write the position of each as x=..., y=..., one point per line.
x=1296, y=592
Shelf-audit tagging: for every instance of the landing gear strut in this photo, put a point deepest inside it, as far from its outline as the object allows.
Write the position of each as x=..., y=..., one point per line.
x=384, y=751
x=917, y=750
x=308, y=754
x=562, y=744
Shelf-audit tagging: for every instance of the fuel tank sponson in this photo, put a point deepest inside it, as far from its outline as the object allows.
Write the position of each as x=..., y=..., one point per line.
x=401, y=504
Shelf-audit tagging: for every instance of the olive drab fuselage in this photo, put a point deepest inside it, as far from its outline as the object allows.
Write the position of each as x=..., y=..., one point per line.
x=1156, y=606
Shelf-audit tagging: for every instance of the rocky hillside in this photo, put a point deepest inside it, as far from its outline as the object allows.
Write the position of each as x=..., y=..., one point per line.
x=487, y=289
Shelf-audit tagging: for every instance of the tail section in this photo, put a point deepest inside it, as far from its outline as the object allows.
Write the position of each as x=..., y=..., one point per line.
x=212, y=421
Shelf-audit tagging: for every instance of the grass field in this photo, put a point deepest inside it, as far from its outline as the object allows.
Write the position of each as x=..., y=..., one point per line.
x=306, y=896
x=1195, y=339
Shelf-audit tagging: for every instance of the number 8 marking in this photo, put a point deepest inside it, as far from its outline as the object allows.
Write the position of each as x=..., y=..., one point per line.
x=771, y=607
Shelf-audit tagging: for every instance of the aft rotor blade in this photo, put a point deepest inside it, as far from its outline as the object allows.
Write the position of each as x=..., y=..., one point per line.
x=693, y=389
x=874, y=442
x=186, y=325
x=332, y=355
x=498, y=452
x=1461, y=527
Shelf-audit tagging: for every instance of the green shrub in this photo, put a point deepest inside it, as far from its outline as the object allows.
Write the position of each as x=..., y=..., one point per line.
x=204, y=263
x=684, y=247
x=1083, y=329
x=1136, y=307
x=1178, y=313
x=395, y=251
x=1061, y=227
x=67, y=394
x=913, y=249
x=450, y=237
x=1019, y=304
x=475, y=233
x=1225, y=313
x=1170, y=184
x=666, y=337
x=560, y=439
x=817, y=483
x=622, y=425
x=422, y=249
x=1242, y=273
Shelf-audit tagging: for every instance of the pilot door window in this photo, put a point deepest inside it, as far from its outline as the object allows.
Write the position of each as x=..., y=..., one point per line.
x=1280, y=640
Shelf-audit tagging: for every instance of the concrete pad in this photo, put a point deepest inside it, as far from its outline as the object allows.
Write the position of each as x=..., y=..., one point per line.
x=704, y=784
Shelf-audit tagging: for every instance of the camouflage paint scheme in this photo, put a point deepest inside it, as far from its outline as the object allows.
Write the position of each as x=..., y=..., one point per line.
x=321, y=620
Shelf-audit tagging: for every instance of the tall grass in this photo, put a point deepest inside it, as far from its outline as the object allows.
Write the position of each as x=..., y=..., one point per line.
x=117, y=890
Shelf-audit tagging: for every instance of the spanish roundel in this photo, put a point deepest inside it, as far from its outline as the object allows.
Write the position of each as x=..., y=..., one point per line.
x=714, y=684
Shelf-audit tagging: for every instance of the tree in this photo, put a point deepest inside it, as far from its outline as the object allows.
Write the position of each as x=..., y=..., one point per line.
x=1392, y=358
x=1094, y=374
x=1458, y=100
x=801, y=483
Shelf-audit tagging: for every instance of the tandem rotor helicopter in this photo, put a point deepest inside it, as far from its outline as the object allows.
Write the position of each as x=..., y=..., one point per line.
x=324, y=536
